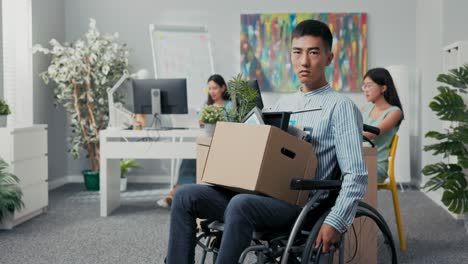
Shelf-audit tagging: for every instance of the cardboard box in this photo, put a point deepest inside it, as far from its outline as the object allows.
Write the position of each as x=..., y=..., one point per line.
x=259, y=158
x=203, y=146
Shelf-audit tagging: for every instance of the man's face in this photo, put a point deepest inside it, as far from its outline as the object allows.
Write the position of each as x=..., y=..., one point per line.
x=309, y=57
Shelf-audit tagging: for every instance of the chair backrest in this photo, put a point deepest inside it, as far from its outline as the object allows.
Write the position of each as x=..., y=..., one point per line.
x=391, y=157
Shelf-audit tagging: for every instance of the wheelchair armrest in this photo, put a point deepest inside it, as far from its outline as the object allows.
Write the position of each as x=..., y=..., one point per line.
x=301, y=184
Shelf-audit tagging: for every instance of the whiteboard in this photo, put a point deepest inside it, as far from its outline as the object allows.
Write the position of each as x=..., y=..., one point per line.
x=183, y=52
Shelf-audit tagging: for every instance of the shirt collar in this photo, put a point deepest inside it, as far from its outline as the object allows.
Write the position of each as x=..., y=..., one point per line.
x=320, y=90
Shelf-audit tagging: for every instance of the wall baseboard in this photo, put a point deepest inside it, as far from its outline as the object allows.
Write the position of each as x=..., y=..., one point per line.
x=132, y=179
x=57, y=183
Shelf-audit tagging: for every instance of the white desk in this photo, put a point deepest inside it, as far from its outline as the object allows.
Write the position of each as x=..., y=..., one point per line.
x=129, y=144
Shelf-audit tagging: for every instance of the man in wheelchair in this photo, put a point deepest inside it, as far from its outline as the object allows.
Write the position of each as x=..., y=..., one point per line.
x=336, y=134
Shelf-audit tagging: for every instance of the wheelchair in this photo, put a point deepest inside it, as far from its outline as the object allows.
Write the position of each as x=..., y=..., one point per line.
x=296, y=244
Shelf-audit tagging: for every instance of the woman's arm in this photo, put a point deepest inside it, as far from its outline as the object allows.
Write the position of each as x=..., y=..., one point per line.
x=389, y=122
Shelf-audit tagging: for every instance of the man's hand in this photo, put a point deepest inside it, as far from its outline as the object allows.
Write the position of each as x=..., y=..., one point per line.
x=328, y=236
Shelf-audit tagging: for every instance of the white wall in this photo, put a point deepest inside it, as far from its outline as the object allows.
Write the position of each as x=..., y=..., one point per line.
x=454, y=21
x=48, y=21
x=390, y=40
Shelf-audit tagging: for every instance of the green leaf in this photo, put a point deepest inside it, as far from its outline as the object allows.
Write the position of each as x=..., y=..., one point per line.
x=457, y=78
x=440, y=173
x=439, y=167
x=447, y=148
x=436, y=135
x=463, y=161
x=10, y=192
x=460, y=134
x=455, y=196
x=448, y=105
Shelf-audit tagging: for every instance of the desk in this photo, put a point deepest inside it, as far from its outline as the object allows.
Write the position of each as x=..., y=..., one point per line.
x=128, y=144
x=366, y=250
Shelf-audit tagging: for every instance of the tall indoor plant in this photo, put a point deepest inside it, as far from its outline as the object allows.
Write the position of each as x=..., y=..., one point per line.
x=450, y=176
x=10, y=192
x=4, y=111
x=83, y=71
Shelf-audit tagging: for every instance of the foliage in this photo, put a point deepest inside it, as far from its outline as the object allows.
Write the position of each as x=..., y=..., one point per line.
x=449, y=106
x=212, y=114
x=126, y=165
x=83, y=72
x=10, y=192
x=244, y=95
x=4, y=109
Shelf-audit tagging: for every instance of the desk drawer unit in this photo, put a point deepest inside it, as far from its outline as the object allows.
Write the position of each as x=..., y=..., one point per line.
x=25, y=151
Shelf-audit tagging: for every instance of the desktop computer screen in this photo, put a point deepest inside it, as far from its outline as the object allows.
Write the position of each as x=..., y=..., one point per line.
x=161, y=96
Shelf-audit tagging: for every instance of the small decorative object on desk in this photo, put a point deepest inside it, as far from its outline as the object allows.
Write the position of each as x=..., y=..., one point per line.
x=210, y=115
x=4, y=111
x=140, y=122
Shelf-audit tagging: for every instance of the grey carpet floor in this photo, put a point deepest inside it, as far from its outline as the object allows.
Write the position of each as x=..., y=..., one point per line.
x=72, y=232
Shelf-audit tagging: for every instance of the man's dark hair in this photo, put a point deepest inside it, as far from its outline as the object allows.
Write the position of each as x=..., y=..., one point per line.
x=314, y=28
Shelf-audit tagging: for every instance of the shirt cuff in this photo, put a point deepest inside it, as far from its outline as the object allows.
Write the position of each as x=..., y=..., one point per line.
x=336, y=222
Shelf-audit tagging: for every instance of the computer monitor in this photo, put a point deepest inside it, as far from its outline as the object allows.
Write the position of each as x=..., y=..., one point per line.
x=258, y=101
x=277, y=119
x=170, y=94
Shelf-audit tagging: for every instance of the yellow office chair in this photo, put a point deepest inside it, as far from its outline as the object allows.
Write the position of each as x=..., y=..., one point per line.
x=391, y=185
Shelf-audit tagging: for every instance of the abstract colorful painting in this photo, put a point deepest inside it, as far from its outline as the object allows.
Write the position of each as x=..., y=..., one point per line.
x=265, y=49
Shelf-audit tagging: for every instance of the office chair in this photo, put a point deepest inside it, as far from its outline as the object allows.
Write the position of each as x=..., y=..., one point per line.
x=391, y=185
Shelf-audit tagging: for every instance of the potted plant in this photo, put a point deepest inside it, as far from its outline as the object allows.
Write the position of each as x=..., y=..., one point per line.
x=4, y=111
x=126, y=165
x=10, y=192
x=83, y=71
x=210, y=115
x=449, y=175
x=240, y=92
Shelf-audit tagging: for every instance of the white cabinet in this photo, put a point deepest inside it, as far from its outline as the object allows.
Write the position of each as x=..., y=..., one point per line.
x=25, y=150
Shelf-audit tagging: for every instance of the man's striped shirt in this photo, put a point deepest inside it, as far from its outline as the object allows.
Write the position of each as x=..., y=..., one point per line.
x=336, y=134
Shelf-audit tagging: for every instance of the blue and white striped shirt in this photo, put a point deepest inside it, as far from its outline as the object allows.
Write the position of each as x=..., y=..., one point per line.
x=336, y=133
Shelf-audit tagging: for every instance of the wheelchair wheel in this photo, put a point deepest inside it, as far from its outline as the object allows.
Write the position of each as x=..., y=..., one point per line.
x=368, y=240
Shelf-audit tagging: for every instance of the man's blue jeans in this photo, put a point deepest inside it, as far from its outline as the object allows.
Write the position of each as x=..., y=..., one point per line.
x=241, y=214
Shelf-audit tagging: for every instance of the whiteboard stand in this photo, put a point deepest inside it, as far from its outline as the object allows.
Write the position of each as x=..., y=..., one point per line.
x=183, y=52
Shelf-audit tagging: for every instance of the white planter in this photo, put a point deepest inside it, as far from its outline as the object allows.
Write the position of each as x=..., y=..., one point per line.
x=3, y=120
x=123, y=184
x=209, y=129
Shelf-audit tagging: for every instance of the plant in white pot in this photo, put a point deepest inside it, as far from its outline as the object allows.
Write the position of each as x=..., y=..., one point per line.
x=126, y=165
x=210, y=115
x=83, y=71
x=4, y=111
x=10, y=192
